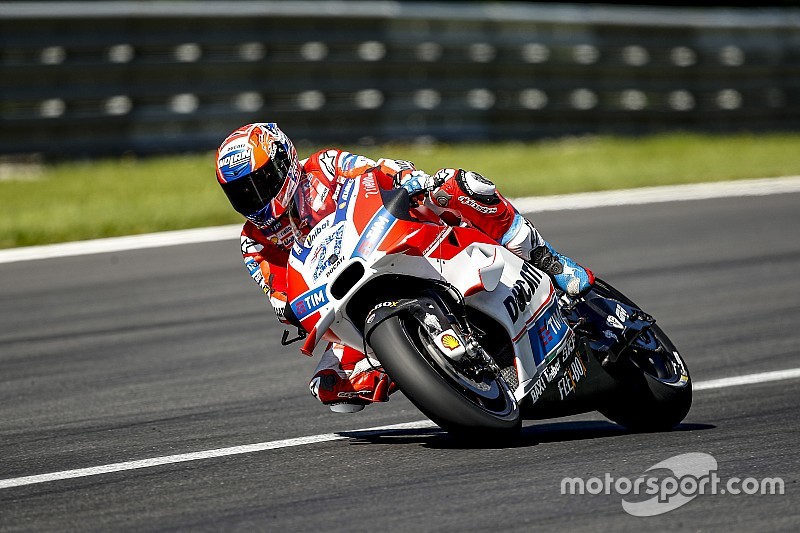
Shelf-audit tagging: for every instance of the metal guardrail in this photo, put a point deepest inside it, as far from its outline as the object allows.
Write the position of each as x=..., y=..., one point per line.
x=89, y=78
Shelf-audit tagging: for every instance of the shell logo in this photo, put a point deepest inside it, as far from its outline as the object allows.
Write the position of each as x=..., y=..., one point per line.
x=449, y=341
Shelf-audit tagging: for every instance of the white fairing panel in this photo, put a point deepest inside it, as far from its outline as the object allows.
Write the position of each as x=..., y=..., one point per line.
x=523, y=301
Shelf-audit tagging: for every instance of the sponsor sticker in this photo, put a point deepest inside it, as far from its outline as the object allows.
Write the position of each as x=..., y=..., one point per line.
x=450, y=342
x=310, y=301
x=614, y=322
x=328, y=248
x=374, y=233
x=572, y=376
x=447, y=341
x=522, y=292
x=369, y=185
x=328, y=163
x=480, y=208
x=349, y=161
x=343, y=200
x=547, y=334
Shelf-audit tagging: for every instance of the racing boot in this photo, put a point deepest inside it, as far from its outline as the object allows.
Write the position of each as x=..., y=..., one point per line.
x=568, y=275
x=525, y=241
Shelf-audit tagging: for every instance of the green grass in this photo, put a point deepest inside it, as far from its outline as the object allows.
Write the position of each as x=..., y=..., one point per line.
x=73, y=201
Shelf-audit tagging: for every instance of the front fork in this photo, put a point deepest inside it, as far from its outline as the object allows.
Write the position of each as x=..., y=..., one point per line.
x=446, y=324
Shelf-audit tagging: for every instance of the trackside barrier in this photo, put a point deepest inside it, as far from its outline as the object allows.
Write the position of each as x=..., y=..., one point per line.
x=94, y=78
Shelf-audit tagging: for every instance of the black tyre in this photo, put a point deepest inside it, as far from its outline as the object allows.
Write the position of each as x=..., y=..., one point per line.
x=456, y=402
x=656, y=392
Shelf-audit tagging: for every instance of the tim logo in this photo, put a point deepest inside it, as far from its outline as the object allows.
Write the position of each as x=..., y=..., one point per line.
x=547, y=334
x=551, y=327
x=374, y=233
x=309, y=302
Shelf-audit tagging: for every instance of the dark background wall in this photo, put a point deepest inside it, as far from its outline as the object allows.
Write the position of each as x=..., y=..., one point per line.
x=92, y=78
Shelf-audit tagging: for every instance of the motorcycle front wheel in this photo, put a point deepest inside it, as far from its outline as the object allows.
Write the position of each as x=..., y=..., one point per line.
x=462, y=404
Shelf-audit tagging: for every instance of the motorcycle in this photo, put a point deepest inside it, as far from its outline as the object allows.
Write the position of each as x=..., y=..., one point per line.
x=477, y=338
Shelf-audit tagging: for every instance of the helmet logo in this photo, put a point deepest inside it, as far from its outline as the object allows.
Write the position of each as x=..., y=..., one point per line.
x=234, y=158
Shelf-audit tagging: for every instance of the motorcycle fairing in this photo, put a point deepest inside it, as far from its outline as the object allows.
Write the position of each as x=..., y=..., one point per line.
x=491, y=278
x=523, y=301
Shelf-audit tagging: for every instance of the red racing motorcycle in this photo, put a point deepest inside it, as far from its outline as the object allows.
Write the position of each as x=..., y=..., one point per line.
x=477, y=338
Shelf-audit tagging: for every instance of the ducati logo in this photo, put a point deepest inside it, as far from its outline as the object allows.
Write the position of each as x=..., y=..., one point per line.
x=522, y=292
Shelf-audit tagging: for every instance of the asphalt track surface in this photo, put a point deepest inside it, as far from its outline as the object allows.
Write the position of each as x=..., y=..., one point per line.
x=133, y=355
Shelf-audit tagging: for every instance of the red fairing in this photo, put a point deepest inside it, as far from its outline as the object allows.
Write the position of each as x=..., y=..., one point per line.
x=457, y=241
x=590, y=274
x=311, y=340
x=410, y=239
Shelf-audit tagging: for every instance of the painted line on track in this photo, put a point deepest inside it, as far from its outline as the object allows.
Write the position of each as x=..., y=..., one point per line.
x=749, y=379
x=122, y=244
x=735, y=381
x=654, y=195
x=531, y=204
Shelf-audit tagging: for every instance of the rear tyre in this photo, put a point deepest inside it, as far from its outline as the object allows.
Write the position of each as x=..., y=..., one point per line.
x=460, y=404
x=656, y=392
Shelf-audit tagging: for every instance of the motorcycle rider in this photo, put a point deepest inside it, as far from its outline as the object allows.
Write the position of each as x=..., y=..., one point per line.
x=283, y=197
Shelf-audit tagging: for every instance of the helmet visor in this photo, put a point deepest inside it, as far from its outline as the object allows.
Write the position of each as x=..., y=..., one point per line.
x=253, y=192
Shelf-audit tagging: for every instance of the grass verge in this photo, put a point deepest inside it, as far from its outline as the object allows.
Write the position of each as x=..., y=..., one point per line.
x=85, y=200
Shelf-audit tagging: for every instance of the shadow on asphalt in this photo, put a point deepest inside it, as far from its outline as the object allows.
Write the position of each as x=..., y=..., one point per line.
x=531, y=435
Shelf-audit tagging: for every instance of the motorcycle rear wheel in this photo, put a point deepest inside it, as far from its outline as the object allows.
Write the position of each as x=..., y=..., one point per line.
x=656, y=390
x=451, y=399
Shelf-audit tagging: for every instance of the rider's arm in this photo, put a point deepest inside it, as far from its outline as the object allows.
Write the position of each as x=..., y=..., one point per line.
x=475, y=199
x=339, y=164
x=267, y=265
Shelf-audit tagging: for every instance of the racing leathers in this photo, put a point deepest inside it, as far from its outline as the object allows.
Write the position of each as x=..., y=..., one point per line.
x=346, y=379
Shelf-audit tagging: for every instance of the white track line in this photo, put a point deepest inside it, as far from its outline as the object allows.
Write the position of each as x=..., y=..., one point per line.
x=325, y=437
x=652, y=195
x=206, y=454
x=122, y=244
x=749, y=379
x=531, y=204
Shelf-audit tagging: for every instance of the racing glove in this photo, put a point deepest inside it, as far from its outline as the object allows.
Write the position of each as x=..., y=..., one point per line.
x=416, y=181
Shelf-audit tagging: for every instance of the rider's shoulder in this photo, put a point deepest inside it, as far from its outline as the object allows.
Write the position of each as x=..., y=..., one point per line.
x=322, y=159
x=337, y=164
x=323, y=162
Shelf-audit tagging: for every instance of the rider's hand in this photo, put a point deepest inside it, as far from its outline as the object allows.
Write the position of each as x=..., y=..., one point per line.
x=416, y=182
x=283, y=310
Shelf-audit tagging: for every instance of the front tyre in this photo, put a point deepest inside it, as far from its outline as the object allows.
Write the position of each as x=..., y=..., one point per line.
x=460, y=404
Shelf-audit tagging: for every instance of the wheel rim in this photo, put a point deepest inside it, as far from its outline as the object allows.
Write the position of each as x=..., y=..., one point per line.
x=662, y=364
x=491, y=395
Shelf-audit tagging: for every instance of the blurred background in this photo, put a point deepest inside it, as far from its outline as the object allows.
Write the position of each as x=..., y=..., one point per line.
x=109, y=116
x=110, y=110
x=105, y=78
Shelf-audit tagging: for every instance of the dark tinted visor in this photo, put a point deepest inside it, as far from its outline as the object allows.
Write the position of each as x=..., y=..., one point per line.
x=253, y=192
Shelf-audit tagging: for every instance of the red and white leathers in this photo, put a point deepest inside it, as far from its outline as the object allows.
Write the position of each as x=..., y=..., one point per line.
x=345, y=378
